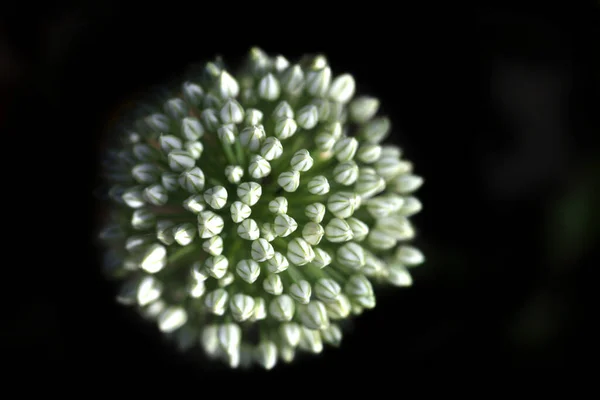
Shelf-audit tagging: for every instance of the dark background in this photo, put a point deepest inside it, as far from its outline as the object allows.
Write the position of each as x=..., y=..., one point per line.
x=497, y=107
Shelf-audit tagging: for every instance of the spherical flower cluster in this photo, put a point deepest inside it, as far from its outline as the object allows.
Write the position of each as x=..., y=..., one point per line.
x=252, y=214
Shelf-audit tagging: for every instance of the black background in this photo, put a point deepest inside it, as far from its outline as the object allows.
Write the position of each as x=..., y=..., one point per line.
x=497, y=107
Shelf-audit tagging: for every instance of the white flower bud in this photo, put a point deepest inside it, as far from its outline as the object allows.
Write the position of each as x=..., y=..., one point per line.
x=396, y=226
x=390, y=150
x=197, y=289
x=342, y=88
x=253, y=117
x=248, y=270
x=314, y=315
x=299, y=252
x=213, y=102
x=185, y=233
x=346, y=173
x=376, y=130
x=156, y=195
x=360, y=230
x=260, y=309
x=192, y=93
x=381, y=240
x=383, y=206
x=191, y=128
x=210, y=340
x=398, y=275
x=284, y=225
x=278, y=263
x=363, y=108
x=368, y=153
x=351, y=255
x=279, y=205
x=192, y=180
x=195, y=148
x=293, y=80
x=324, y=141
x=317, y=82
x=259, y=167
x=338, y=231
x=339, y=308
x=313, y=233
x=315, y=212
x=327, y=290
x=283, y=110
x=216, y=301
x=217, y=266
x=282, y=308
x=252, y=137
x=143, y=152
x=135, y=243
x=226, y=280
x=409, y=256
x=374, y=266
x=322, y=258
x=281, y=63
x=209, y=224
x=389, y=167
x=289, y=180
x=248, y=229
x=271, y=148
x=318, y=185
x=405, y=184
x=343, y=204
x=180, y=160
x=369, y=183
x=249, y=192
x=267, y=231
x=154, y=259
x=300, y=291
x=216, y=197
x=234, y=173
x=227, y=86
x=148, y=290
x=232, y=112
x=169, y=143
x=308, y=117
x=290, y=333
x=229, y=337
x=310, y=340
x=261, y=250
x=227, y=134
x=194, y=204
x=145, y=173
x=267, y=354
x=411, y=206
x=268, y=88
x=170, y=181
x=359, y=289
x=345, y=149
x=332, y=335
x=172, y=319
x=301, y=161
x=239, y=211
x=157, y=122
x=164, y=232
x=142, y=219
x=241, y=306
x=273, y=285
x=199, y=272
x=285, y=128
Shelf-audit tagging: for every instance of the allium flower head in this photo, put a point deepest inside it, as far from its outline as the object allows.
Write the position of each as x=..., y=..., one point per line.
x=254, y=212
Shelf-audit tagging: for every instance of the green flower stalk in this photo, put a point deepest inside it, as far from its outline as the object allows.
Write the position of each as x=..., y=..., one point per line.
x=254, y=214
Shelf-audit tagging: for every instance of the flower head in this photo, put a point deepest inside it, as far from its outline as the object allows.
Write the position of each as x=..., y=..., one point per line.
x=252, y=212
